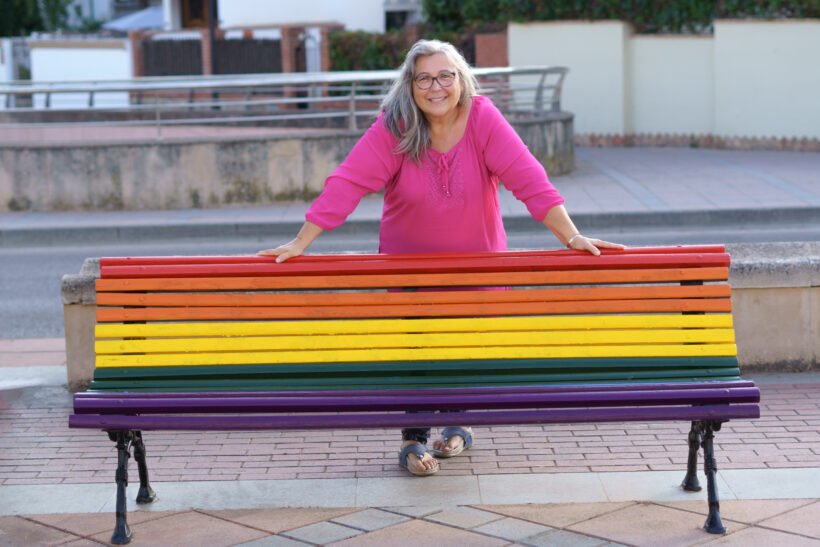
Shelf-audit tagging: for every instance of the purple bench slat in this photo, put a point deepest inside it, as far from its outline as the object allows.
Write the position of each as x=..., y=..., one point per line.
x=358, y=421
x=424, y=391
x=371, y=403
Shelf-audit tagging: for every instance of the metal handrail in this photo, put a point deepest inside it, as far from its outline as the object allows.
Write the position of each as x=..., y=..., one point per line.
x=279, y=90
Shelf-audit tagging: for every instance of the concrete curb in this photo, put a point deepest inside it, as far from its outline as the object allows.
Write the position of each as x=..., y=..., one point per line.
x=63, y=235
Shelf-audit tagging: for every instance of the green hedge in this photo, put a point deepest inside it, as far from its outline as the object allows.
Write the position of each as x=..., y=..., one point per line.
x=371, y=51
x=457, y=21
x=647, y=16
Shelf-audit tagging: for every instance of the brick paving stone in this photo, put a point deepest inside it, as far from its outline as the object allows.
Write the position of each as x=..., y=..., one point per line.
x=22, y=531
x=761, y=536
x=464, y=517
x=322, y=533
x=648, y=524
x=370, y=519
x=273, y=541
x=421, y=532
x=190, y=528
x=511, y=529
x=88, y=524
x=562, y=538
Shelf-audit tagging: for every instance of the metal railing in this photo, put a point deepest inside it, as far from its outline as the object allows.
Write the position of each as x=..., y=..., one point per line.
x=264, y=99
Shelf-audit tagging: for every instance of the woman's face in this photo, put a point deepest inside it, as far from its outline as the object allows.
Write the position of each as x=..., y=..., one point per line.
x=437, y=101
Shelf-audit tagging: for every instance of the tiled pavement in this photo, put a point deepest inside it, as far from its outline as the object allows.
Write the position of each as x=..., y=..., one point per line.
x=791, y=522
x=48, y=475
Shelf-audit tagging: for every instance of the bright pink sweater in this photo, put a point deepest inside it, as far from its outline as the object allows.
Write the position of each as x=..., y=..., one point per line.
x=449, y=202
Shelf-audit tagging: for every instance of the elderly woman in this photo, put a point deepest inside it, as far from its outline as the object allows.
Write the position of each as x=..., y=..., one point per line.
x=438, y=150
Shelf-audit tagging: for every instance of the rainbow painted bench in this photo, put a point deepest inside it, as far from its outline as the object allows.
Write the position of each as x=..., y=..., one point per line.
x=353, y=341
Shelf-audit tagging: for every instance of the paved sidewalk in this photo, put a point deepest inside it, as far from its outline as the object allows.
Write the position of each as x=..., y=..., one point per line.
x=512, y=488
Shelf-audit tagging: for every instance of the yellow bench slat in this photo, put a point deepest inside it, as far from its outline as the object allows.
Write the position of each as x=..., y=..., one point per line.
x=453, y=340
x=418, y=354
x=480, y=324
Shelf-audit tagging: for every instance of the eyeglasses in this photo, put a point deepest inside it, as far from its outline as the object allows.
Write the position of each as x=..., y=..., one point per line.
x=444, y=79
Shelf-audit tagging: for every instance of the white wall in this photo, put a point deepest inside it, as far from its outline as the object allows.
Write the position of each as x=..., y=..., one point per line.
x=171, y=14
x=367, y=15
x=6, y=64
x=671, y=84
x=752, y=79
x=768, y=78
x=595, y=88
x=57, y=61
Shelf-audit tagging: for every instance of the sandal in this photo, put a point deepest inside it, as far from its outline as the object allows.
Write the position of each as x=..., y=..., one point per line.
x=419, y=450
x=446, y=434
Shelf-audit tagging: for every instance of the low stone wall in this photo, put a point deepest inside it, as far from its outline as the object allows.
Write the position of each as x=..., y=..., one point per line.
x=211, y=172
x=775, y=300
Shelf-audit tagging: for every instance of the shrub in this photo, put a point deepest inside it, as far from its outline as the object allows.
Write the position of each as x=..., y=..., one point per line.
x=647, y=16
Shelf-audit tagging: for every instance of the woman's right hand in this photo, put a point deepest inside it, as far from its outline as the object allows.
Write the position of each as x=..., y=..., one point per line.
x=286, y=251
x=297, y=246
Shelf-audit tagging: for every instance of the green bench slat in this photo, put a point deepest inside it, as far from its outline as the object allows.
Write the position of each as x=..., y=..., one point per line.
x=420, y=380
x=413, y=366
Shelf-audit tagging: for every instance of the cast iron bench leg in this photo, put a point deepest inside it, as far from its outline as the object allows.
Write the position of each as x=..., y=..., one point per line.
x=122, y=533
x=690, y=481
x=702, y=434
x=146, y=494
x=713, y=524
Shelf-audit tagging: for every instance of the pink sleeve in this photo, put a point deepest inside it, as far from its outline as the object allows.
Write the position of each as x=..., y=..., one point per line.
x=508, y=157
x=367, y=169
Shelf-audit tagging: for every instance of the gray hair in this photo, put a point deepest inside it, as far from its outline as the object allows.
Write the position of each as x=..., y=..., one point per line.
x=402, y=116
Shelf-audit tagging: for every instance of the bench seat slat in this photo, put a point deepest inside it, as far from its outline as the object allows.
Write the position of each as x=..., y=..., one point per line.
x=358, y=421
x=419, y=354
x=416, y=382
x=413, y=280
x=91, y=394
x=449, y=310
x=389, y=402
x=154, y=260
x=427, y=340
x=399, y=298
x=466, y=324
x=411, y=367
x=444, y=264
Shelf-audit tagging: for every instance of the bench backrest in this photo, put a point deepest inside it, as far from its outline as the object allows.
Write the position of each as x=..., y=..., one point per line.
x=411, y=321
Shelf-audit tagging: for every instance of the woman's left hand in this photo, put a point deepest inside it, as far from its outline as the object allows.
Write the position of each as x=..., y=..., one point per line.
x=591, y=245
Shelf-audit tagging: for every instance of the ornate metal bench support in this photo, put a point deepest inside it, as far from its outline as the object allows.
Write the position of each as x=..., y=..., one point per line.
x=713, y=524
x=122, y=533
x=126, y=439
x=690, y=481
x=146, y=494
x=702, y=434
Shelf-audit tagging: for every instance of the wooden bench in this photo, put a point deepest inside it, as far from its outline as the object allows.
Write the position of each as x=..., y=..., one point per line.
x=353, y=341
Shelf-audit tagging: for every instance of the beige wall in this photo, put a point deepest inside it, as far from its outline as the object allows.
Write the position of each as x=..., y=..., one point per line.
x=660, y=68
x=754, y=79
x=595, y=52
x=777, y=328
x=767, y=78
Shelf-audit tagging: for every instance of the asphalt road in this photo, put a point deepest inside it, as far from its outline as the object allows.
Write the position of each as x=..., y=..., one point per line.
x=30, y=305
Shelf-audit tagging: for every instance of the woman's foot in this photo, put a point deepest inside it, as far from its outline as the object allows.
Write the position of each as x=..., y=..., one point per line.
x=416, y=459
x=453, y=441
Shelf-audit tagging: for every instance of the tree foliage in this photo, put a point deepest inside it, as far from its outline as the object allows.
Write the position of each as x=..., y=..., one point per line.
x=22, y=17
x=647, y=16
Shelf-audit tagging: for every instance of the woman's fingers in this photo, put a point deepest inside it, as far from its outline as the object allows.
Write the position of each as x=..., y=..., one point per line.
x=591, y=245
x=607, y=244
x=283, y=252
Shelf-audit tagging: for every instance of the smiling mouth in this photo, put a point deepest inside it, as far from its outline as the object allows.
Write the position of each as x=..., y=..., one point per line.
x=437, y=100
